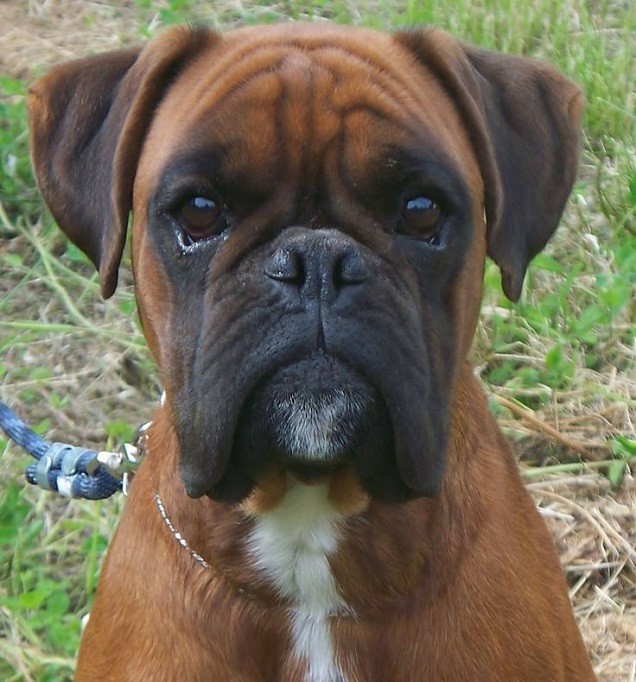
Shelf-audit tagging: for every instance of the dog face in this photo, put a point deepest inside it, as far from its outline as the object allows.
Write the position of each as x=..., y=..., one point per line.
x=311, y=211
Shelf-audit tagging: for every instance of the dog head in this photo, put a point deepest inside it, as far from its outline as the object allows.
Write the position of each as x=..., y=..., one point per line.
x=312, y=206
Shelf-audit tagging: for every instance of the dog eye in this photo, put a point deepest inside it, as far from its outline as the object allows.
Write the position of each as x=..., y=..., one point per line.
x=422, y=217
x=199, y=217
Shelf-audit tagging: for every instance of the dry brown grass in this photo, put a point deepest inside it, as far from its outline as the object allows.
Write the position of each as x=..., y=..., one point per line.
x=36, y=34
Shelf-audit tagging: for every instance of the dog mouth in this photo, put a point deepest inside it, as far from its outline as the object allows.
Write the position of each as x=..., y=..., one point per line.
x=308, y=416
x=284, y=404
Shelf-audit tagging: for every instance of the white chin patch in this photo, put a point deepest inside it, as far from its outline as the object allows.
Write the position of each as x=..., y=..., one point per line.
x=317, y=428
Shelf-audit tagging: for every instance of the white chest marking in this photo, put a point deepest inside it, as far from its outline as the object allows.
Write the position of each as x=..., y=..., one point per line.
x=291, y=545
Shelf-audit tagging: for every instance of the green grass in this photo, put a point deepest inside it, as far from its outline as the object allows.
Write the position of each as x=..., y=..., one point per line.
x=78, y=369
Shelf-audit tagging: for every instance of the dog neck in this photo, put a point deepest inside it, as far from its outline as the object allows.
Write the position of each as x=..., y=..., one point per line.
x=326, y=545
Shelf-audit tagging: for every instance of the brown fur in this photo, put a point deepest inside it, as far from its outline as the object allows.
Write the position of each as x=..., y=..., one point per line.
x=458, y=569
x=465, y=585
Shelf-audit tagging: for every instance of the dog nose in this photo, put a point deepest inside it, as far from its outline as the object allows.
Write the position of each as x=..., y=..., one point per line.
x=318, y=265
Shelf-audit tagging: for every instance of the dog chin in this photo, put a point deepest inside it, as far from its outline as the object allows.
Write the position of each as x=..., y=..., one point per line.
x=317, y=428
x=310, y=415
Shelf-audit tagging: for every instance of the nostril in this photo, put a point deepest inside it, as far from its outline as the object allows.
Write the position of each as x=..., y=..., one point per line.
x=351, y=269
x=285, y=266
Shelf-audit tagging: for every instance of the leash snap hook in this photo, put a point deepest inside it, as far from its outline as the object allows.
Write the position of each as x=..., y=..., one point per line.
x=123, y=464
x=118, y=464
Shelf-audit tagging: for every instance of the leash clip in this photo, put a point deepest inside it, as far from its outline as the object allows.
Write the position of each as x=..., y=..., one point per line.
x=75, y=471
x=125, y=461
x=123, y=464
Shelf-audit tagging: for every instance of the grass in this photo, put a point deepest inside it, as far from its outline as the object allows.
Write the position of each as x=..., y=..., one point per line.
x=559, y=366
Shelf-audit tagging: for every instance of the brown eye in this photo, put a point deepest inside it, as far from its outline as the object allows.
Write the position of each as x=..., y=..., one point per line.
x=199, y=218
x=422, y=217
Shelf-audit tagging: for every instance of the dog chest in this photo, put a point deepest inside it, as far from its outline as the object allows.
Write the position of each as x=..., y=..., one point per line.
x=291, y=546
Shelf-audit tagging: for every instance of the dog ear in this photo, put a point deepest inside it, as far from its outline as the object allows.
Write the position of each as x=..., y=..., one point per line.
x=88, y=120
x=524, y=121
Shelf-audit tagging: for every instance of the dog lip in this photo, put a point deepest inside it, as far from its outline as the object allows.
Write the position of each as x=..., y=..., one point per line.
x=195, y=482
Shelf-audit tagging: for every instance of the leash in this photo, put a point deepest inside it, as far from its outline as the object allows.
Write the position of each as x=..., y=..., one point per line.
x=74, y=471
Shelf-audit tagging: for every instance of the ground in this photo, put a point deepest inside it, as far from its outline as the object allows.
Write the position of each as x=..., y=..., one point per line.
x=559, y=367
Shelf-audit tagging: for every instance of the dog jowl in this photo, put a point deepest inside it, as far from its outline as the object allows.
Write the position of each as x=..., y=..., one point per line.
x=311, y=210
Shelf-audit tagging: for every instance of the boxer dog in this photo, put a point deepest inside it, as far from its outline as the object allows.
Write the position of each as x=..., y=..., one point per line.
x=325, y=495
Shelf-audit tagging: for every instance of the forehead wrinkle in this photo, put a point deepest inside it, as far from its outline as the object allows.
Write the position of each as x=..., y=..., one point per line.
x=274, y=76
x=392, y=67
x=240, y=64
x=360, y=76
x=375, y=49
x=369, y=83
x=294, y=110
x=374, y=70
x=401, y=96
x=212, y=91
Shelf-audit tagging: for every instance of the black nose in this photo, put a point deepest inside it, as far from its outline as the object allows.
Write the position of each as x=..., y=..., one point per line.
x=318, y=263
